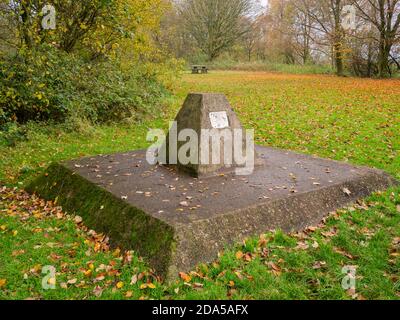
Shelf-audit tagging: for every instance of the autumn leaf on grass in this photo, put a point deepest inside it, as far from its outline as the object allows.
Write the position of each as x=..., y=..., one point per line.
x=239, y=255
x=2, y=282
x=343, y=253
x=151, y=285
x=88, y=273
x=352, y=293
x=198, y=285
x=185, y=277
x=302, y=246
x=119, y=285
x=329, y=234
x=100, y=277
x=17, y=253
x=134, y=279
x=319, y=265
x=248, y=257
x=147, y=285
x=78, y=219
x=262, y=241
x=276, y=270
x=98, y=291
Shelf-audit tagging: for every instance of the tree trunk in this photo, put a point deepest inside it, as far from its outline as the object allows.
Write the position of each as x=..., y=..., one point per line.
x=339, y=59
x=25, y=18
x=383, y=59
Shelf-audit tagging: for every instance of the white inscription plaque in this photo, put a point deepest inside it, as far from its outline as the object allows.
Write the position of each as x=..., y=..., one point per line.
x=219, y=120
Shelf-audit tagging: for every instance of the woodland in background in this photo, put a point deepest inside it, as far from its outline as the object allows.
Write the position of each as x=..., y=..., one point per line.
x=100, y=64
x=114, y=60
x=305, y=32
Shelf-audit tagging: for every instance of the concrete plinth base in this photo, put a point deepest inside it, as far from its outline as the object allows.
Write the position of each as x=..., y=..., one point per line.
x=176, y=221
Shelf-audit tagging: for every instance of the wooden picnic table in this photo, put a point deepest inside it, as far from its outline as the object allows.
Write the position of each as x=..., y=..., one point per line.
x=196, y=69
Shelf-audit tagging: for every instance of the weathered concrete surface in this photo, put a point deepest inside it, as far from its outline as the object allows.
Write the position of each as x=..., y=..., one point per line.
x=189, y=219
x=195, y=115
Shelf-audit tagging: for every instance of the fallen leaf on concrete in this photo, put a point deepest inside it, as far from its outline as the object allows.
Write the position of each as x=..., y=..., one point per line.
x=346, y=191
x=184, y=204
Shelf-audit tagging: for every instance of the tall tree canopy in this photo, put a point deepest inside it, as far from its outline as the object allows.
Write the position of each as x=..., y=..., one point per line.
x=215, y=24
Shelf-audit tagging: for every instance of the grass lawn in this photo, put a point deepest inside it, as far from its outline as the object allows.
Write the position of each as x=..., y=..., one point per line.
x=355, y=120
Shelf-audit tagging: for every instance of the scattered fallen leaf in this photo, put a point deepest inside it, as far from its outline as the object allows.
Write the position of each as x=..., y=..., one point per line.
x=17, y=253
x=2, y=282
x=134, y=279
x=98, y=291
x=343, y=253
x=302, y=246
x=151, y=285
x=184, y=204
x=248, y=257
x=185, y=277
x=78, y=219
x=276, y=270
x=239, y=255
x=129, y=294
x=143, y=286
x=346, y=191
x=319, y=265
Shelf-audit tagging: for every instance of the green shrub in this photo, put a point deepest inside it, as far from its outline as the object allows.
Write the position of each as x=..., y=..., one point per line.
x=49, y=85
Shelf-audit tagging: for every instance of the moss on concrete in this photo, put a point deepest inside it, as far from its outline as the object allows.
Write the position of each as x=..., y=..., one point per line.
x=127, y=226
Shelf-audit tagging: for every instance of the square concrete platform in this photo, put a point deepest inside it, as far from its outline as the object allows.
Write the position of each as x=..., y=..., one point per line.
x=176, y=221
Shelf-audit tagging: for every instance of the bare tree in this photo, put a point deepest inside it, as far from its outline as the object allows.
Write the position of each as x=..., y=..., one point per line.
x=302, y=30
x=252, y=36
x=215, y=24
x=385, y=16
x=327, y=18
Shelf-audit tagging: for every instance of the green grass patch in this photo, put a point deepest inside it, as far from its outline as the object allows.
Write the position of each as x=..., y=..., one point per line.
x=347, y=119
